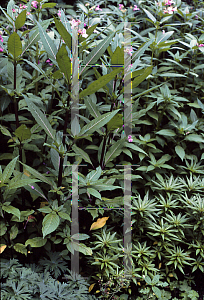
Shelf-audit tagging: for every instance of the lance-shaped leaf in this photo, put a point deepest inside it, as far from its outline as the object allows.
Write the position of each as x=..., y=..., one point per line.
x=48, y=44
x=142, y=49
x=14, y=45
x=63, y=32
x=150, y=15
x=142, y=77
x=21, y=183
x=180, y=152
x=92, y=108
x=64, y=62
x=82, y=154
x=40, y=118
x=97, y=52
x=115, y=122
x=2, y=248
x=97, y=123
x=20, y=21
x=23, y=132
x=99, y=223
x=37, y=174
x=94, y=192
x=49, y=5
x=97, y=84
x=9, y=170
x=118, y=56
x=12, y=210
x=114, y=150
x=50, y=223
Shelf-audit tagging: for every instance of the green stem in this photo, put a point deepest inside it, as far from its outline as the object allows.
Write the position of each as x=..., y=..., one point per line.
x=187, y=77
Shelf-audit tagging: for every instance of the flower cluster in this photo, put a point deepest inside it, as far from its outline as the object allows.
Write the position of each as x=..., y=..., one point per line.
x=170, y=9
x=35, y=4
x=130, y=139
x=129, y=51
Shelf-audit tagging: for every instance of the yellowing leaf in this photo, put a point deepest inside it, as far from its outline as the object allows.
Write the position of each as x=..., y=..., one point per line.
x=160, y=265
x=26, y=173
x=91, y=287
x=138, y=283
x=2, y=248
x=171, y=275
x=155, y=243
x=99, y=223
x=97, y=291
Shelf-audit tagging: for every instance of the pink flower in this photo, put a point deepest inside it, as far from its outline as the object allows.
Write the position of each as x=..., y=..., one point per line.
x=201, y=45
x=97, y=8
x=59, y=13
x=196, y=16
x=23, y=6
x=83, y=33
x=130, y=138
x=129, y=51
x=38, y=62
x=28, y=13
x=13, y=10
x=135, y=7
x=84, y=24
x=75, y=23
x=1, y=49
x=1, y=39
x=121, y=6
x=35, y=4
x=48, y=61
x=169, y=2
x=163, y=31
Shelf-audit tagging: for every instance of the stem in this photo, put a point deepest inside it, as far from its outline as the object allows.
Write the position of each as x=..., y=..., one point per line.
x=36, y=72
x=187, y=77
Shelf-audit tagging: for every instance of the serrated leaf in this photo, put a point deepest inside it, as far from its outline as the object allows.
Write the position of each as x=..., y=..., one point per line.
x=20, y=248
x=40, y=118
x=36, y=242
x=20, y=21
x=92, y=108
x=97, y=123
x=180, y=152
x=21, y=183
x=23, y=132
x=99, y=223
x=14, y=45
x=48, y=44
x=12, y=210
x=37, y=174
x=64, y=62
x=9, y=170
x=5, y=131
x=82, y=154
x=167, y=132
x=94, y=192
x=118, y=56
x=115, y=122
x=114, y=151
x=97, y=52
x=63, y=32
x=50, y=223
x=99, y=83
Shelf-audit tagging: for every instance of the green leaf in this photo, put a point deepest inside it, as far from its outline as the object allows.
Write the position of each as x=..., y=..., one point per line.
x=64, y=62
x=114, y=150
x=40, y=118
x=180, y=152
x=20, y=248
x=9, y=170
x=80, y=236
x=48, y=44
x=115, y=122
x=82, y=154
x=23, y=132
x=50, y=223
x=142, y=77
x=171, y=75
x=45, y=209
x=36, y=242
x=167, y=132
x=49, y=5
x=37, y=174
x=104, y=187
x=118, y=56
x=157, y=291
x=97, y=123
x=13, y=232
x=150, y=16
x=14, y=45
x=63, y=32
x=134, y=147
x=5, y=131
x=20, y=21
x=94, y=192
x=99, y=83
x=21, y=183
x=97, y=52
x=92, y=108
x=64, y=216
x=194, y=138
x=12, y=210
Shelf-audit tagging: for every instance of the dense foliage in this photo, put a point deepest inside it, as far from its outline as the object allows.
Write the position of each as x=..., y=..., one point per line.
x=41, y=45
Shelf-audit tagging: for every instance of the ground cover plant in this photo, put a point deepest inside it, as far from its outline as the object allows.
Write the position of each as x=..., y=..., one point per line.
x=52, y=56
